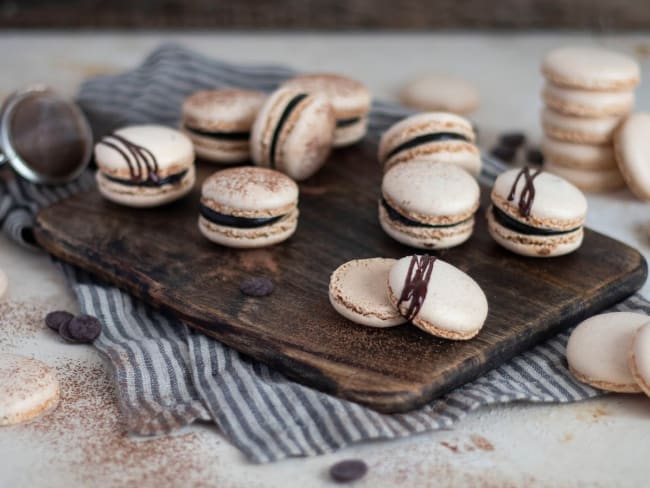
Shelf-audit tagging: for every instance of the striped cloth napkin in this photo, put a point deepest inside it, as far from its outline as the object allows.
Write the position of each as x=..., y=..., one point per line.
x=167, y=376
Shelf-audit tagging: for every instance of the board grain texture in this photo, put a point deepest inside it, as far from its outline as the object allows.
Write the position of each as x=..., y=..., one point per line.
x=159, y=256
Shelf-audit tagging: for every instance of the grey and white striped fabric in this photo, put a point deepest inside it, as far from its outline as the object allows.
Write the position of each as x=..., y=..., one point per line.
x=168, y=376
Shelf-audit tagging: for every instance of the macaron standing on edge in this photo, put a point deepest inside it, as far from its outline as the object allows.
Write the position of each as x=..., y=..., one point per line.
x=144, y=165
x=248, y=207
x=350, y=100
x=536, y=214
x=293, y=133
x=219, y=123
x=632, y=150
x=428, y=205
x=433, y=136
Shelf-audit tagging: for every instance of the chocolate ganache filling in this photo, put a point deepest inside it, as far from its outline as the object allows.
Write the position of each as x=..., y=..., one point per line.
x=226, y=136
x=395, y=215
x=425, y=139
x=340, y=123
x=168, y=180
x=514, y=225
x=233, y=221
x=416, y=285
x=293, y=103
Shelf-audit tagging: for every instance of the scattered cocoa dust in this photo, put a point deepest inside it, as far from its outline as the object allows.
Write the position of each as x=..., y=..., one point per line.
x=482, y=443
x=258, y=259
x=20, y=321
x=478, y=442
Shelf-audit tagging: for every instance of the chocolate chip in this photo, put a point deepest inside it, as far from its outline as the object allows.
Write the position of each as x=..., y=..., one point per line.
x=256, y=286
x=55, y=319
x=504, y=153
x=82, y=329
x=348, y=470
x=512, y=139
x=535, y=156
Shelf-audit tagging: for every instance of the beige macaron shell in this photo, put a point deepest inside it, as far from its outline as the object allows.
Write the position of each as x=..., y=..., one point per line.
x=249, y=192
x=431, y=193
x=455, y=306
x=4, y=285
x=172, y=149
x=579, y=156
x=557, y=204
x=357, y=291
x=598, y=350
x=28, y=388
x=632, y=149
x=587, y=103
x=344, y=136
x=591, y=68
x=640, y=358
x=593, y=130
x=588, y=180
x=219, y=150
x=227, y=110
x=443, y=92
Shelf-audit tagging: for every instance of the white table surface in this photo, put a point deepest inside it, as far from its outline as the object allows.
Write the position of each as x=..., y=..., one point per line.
x=603, y=442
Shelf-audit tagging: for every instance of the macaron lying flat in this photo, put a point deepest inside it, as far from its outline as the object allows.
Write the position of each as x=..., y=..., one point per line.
x=588, y=180
x=440, y=92
x=28, y=388
x=598, y=350
x=248, y=207
x=579, y=156
x=293, y=133
x=350, y=100
x=219, y=123
x=428, y=205
x=569, y=128
x=587, y=103
x=591, y=68
x=535, y=213
x=357, y=291
x=434, y=136
x=437, y=297
x=632, y=149
x=639, y=358
x=144, y=165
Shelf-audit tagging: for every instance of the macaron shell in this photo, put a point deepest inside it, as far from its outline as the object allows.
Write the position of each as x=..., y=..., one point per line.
x=143, y=196
x=28, y=388
x=599, y=130
x=454, y=307
x=227, y=110
x=463, y=154
x=632, y=149
x=357, y=290
x=534, y=246
x=599, y=347
x=639, y=360
x=219, y=151
x=344, y=136
x=587, y=103
x=579, y=156
x=591, y=68
x=588, y=180
x=440, y=92
x=250, y=238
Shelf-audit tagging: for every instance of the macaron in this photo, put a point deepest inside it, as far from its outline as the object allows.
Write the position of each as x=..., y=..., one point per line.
x=219, y=123
x=579, y=156
x=293, y=133
x=639, y=358
x=587, y=103
x=248, y=207
x=591, y=68
x=581, y=130
x=535, y=213
x=437, y=297
x=434, y=136
x=28, y=389
x=599, y=347
x=632, y=149
x=588, y=180
x=144, y=165
x=440, y=92
x=357, y=291
x=428, y=205
x=350, y=100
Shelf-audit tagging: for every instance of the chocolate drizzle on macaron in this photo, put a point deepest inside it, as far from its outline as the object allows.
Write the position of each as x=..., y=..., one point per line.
x=143, y=159
x=416, y=285
x=293, y=103
x=527, y=195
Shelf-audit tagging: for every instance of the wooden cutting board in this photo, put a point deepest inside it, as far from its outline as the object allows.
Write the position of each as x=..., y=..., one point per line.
x=159, y=256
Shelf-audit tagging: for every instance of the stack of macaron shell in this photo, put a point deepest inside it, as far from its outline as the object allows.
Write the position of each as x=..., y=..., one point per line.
x=611, y=352
x=588, y=92
x=293, y=133
x=248, y=207
x=219, y=123
x=349, y=98
x=432, y=136
x=536, y=213
x=145, y=165
x=428, y=205
x=429, y=293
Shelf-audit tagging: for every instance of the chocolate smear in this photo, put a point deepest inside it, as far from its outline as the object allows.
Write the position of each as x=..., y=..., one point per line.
x=527, y=195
